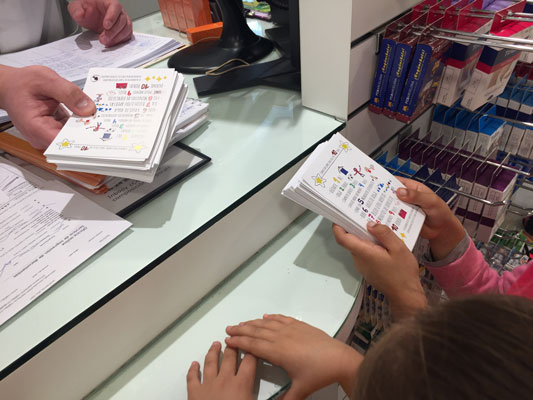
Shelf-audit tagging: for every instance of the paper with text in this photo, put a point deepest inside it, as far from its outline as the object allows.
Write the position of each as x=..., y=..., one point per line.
x=72, y=57
x=46, y=231
x=130, y=104
x=345, y=185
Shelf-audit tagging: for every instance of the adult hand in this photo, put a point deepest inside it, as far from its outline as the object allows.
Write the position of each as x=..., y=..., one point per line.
x=311, y=358
x=441, y=227
x=106, y=17
x=32, y=97
x=226, y=382
x=389, y=266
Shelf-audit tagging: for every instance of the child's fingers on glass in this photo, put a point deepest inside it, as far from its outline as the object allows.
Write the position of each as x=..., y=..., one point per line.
x=258, y=347
x=252, y=331
x=193, y=375
x=211, y=362
x=228, y=366
x=265, y=323
x=247, y=368
x=279, y=318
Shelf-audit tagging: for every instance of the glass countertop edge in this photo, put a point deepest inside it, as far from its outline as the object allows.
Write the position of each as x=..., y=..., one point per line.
x=110, y=253
x=16, y=363
x=98, y=392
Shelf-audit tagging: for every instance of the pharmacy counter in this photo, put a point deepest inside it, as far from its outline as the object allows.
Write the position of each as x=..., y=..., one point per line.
x=182, y=245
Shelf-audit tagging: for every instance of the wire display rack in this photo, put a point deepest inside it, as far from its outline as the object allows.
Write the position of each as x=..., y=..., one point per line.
x=507, y=248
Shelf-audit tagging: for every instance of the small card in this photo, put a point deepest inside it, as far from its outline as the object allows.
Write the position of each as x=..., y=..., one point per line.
x=346, y=186
x=136, y=112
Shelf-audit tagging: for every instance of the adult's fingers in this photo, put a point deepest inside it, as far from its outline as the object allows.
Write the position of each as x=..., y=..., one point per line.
x=119, y=32
x=386, y=237
x=211, y=362
x=61, y=115
x=109, y=34
x=67, y=93
x=113, y=12
x=77, y=11
x=48, y=129
x=228, y=366
x=123, y=36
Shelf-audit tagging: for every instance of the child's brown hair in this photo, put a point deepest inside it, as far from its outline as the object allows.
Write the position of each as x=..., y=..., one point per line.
x=480, y=347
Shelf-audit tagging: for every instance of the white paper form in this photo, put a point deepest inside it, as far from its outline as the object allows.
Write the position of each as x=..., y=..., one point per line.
x=191, y=111
x=73, y=56
x=130, y=106
x=46, y=231
x=192, y=116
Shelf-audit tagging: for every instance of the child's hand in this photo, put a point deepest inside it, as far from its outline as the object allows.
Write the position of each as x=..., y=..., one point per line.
x=226, y=383
x=441, y=227
x=390, y=267
x=311, y=358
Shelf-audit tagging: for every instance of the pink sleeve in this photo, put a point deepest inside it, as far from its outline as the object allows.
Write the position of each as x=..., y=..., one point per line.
x=471, y=274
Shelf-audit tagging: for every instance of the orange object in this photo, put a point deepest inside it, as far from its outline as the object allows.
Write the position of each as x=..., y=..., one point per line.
x=185, y=14
x=201, y=12
x=180, y=15
x=199, y=33
x=188, y=12
x=168, y=12
x=163, y=6
x=23, y=150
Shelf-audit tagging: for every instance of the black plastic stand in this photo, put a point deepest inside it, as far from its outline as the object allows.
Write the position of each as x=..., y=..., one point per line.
x=278, y=73
x=237, y=41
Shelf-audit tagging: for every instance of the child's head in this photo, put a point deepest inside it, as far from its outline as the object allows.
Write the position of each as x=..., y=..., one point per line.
x=480, y=347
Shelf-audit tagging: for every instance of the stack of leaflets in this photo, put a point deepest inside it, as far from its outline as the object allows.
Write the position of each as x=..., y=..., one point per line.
x=344, y=185
x=47, y=231
x=193, y=115
x=136, y=114
x=73, y=56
